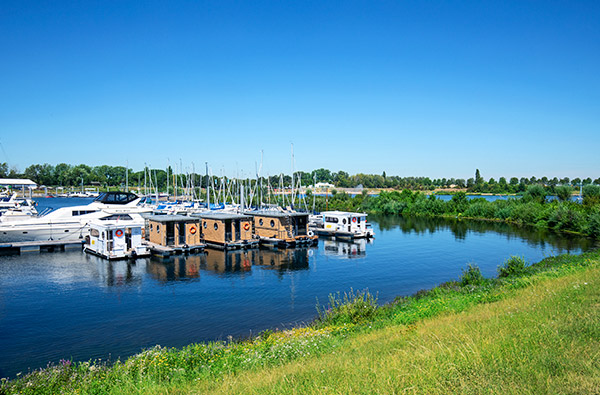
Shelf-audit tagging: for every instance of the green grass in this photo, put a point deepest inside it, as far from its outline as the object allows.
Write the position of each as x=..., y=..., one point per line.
x=535, y=332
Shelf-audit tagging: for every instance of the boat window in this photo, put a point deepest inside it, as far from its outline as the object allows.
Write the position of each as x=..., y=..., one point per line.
x=272, y=223
x=260, y=222
x=114, y=217
x=94, y=232
x=157, y=228
x=344, y=221
x=216, y=226
x=332, y=219
x=82, y=212
x=205, y=225
x=150, y=227
x=116, y=197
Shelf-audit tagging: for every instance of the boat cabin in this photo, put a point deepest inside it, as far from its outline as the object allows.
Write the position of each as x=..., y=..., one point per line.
x=226, y=230
x=116, y=197
x=282, y=228
x=342, y=224
x=173, y=230
x=116, y=240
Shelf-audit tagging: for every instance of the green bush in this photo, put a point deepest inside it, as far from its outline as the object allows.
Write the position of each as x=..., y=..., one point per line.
x=471, y=276
x=563, y=193
x=513, y=266
x=536, y=192
x=591, y=195
x=351, y=308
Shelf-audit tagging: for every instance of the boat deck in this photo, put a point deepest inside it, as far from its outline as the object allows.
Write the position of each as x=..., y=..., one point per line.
x=20, y=247
x=166, y=251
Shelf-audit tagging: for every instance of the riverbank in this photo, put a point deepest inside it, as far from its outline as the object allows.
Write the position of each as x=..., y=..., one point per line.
x=357, y=345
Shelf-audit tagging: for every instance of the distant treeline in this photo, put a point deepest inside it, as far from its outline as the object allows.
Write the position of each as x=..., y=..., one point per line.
x=69, y=175
x=533, y=208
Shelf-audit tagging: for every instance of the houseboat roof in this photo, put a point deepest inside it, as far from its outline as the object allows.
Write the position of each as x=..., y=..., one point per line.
x=221, y=216
x=276, y=214
x=343, y=213
x=171, y=218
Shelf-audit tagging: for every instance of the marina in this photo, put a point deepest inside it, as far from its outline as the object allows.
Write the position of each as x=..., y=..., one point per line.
x=114, y=308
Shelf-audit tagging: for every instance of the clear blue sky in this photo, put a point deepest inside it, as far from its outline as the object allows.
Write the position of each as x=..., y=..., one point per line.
x=431, y=88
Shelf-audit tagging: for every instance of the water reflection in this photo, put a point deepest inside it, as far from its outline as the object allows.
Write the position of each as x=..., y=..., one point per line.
x=346, y=249
x=462, y=228
x=238, y=263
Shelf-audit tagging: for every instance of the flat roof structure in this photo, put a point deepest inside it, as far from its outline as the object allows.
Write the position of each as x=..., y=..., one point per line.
x=17, y=182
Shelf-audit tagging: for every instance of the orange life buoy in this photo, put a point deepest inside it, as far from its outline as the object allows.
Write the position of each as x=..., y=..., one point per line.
x=119, y=233
x=193, y=230
x=246, y=226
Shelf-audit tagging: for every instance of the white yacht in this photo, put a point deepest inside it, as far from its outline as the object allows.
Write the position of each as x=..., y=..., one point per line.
x=341, y=225
x=14, y=208
x=72, y=223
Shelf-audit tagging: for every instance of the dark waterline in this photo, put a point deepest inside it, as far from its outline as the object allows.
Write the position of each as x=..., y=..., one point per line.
x=73, y=305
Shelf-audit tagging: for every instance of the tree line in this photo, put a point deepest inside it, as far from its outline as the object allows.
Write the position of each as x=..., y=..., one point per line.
x=64, y=174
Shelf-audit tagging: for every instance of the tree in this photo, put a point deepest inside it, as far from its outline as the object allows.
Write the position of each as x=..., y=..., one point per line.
x=3, y=170
x=478, y=179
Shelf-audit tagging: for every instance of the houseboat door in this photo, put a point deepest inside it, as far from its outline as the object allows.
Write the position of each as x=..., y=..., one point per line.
x=227, y=230
x=170, y=226
x=181, y=232
x=237, y=230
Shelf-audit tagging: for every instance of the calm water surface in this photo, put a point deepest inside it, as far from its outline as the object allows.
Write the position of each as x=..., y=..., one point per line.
x=73, y=305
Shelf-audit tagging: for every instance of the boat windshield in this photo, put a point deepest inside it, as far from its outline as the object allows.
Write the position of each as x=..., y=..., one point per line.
x=116, y=197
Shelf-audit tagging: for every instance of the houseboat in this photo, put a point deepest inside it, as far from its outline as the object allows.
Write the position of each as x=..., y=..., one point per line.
x=170, y=234
x=114, y=239
x=282, y=228
x=226, y=231
x=342, y=225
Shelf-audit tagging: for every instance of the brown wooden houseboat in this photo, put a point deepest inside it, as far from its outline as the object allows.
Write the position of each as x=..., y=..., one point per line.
x=282, y=228
x=226, y=231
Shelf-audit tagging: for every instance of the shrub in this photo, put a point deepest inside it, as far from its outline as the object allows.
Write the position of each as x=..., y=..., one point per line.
x=513, y=266
x=351, y=308
x=536, y=192
x=563, y=193
x=593, y=226
x=471, y=276
x=591, y=195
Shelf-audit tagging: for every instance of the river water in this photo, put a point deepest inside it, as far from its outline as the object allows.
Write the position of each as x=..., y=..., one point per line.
x=73, y=305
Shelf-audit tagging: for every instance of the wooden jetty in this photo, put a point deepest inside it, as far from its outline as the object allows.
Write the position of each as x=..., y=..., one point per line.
x=20, y=247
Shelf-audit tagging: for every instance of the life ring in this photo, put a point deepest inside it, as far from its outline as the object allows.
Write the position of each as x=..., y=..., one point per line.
x=193, y=230
x=246, y=226
x=311, y=233
x=119, y=233
x=354, y=219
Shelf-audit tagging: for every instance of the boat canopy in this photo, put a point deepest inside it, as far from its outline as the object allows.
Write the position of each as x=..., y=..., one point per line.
x=116, y=197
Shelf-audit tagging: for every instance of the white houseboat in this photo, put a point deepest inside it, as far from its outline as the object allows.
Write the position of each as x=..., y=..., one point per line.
x=116, y=239
x=341, y=225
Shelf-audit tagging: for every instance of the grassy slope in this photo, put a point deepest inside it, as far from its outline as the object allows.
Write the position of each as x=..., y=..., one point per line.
x=545, y=339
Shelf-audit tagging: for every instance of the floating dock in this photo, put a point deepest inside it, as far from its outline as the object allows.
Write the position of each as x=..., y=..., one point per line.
x=20, y=247
x=167, y=251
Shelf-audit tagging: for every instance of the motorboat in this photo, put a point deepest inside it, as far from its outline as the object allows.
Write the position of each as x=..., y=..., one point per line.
x=341, y=225
x=72, y=223
x=14, y=208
